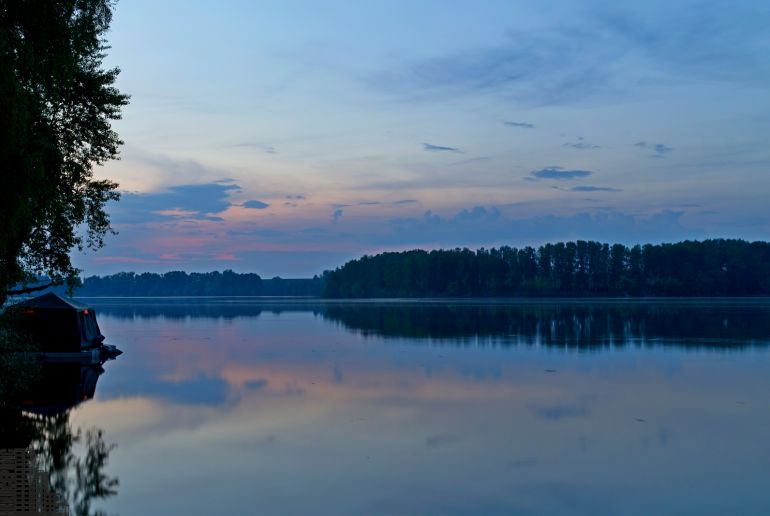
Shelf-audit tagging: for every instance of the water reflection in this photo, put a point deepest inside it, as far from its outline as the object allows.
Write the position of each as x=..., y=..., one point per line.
x=586, y=324
x=578, y=325
x=49, y=465
x=335, y=408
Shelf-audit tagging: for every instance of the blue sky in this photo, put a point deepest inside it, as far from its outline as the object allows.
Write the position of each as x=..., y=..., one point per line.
x=287, y=137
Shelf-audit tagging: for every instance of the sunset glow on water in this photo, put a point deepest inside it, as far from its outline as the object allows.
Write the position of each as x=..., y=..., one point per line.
x=289, y=408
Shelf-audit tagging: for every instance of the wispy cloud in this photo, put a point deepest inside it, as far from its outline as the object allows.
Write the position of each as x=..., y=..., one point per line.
x=340, y=206
x=487, y=225
x=255, y=204
x=559, y=173
x=439, y=148
x=470, y=161
x=190, y=169
x=561, y=411
x=659, y=150
x=522, y=125
x=267, y=149
x=532, y=69
x=586, y=188
x=581, y=144
x=597, y=51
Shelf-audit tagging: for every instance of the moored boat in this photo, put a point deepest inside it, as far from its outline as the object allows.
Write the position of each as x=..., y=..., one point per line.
x=64, y=330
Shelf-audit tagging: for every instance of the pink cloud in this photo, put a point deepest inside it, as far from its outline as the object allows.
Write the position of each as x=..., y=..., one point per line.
x=120, y=259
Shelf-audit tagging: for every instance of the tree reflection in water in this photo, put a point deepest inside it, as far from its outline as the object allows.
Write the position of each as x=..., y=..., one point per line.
x=75, y=460
x=714, y=324
x=49, y=465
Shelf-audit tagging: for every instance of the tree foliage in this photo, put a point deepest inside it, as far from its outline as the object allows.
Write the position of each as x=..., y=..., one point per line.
x=57, y=102
x=709, y=268
x=179, y=283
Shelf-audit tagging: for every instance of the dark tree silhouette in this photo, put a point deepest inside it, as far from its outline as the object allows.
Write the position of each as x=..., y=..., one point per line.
x=56, y=107
x=179, y=283
x=584, y=269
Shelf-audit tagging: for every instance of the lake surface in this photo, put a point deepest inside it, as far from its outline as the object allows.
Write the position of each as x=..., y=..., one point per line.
x=239, y=406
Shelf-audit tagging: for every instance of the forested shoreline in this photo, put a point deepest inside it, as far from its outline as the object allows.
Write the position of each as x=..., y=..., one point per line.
x=179, y=283
x=715, y=267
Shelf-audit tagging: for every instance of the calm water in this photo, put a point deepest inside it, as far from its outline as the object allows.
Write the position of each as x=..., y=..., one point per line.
x=227, y=406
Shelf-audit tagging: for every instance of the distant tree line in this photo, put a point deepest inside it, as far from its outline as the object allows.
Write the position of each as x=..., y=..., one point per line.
x=179, y=283
x=716, y=267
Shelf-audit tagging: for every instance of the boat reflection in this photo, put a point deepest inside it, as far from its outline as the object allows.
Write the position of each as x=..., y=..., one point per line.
x=47, y=464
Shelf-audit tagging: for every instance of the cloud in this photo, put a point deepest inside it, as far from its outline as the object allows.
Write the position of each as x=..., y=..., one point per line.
x=560, y=411
x=581, y=144
x=396, y=203
x=254, y=385
x=268, y=149
x=336, y=215
x=477, y=213
x=438, y=148
x=586, y=188
x=522, y=125
x=559, y=173
x=659, y=149
x=711, y=42
x=372, y=203
x=257, y=232
x=255, y=204
x=596, y=53
x=439, y=440
x=487, y=226
x=193, y=201
x=175, y=168
x=533, y=69
x=470, y=161
x=296, y=197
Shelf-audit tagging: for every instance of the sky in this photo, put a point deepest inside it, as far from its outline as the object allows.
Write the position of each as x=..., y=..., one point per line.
x=287, y=137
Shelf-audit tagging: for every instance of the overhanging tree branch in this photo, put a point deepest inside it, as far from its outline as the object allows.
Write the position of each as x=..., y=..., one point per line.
x=57, y=104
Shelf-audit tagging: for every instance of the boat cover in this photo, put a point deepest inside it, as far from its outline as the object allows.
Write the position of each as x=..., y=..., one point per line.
x=59, y=324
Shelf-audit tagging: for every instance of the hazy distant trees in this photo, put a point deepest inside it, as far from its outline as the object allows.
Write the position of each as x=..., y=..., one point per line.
x=179, y=283
x=583, y=268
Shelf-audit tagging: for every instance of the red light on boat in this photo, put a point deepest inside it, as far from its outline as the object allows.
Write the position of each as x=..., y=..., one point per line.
x=85, y=312
x=28, y=311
